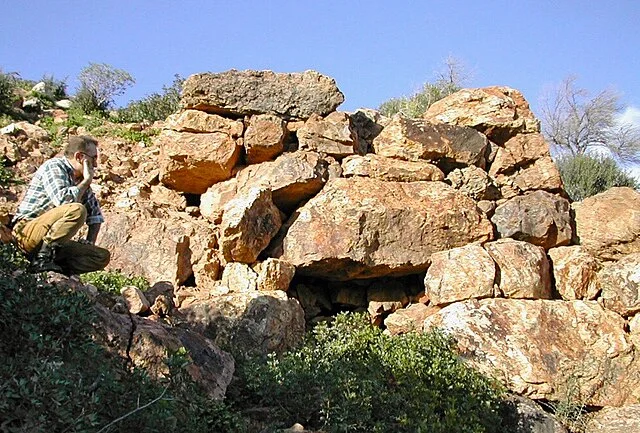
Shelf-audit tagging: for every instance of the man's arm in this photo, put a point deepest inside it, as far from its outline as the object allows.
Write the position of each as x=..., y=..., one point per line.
x=92, y=233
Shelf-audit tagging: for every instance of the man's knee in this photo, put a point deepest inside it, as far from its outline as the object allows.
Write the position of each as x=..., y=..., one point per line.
x=75, y=212
x=103, y=257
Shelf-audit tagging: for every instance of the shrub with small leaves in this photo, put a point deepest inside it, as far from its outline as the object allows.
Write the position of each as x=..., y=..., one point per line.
x=99, y=84
x=157, y=106
x=587, y=175
x=113, y=281
x=54, y=377
x=350, y=377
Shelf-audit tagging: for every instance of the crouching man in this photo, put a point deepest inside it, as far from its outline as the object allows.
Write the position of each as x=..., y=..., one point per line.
x=58, y=202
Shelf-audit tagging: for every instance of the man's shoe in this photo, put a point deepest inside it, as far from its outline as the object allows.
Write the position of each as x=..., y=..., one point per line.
x=44, y=261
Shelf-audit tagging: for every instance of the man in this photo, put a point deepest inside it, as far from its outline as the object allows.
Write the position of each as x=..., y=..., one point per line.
x=56, y=205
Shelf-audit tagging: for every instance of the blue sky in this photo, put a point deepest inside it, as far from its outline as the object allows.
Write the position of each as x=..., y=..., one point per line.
x=375, y=49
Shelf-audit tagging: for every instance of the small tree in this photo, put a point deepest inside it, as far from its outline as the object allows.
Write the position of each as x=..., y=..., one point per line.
x=586, y=175
x=99, y=84
x=575, y=123
x=448, y=81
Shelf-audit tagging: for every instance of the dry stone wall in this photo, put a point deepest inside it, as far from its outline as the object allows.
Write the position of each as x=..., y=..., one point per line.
x=264, y=207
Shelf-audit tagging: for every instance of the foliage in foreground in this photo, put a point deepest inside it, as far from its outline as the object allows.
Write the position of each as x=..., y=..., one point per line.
x=350, y=377
x=54, y=377
x=586, y=175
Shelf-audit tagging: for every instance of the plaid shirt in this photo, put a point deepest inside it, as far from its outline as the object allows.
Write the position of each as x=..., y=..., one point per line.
x=53, y=185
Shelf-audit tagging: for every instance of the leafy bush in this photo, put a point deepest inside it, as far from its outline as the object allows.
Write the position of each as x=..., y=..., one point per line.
x=7, y=176
x=418, y=103
x=157, y=106
x=112, y=281
x=55, y=378
x=350, y=377
x=99, y=84
x=8, y=84
x=586, y=175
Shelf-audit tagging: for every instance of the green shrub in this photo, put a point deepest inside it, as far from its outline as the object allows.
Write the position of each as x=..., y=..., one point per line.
x=418, y=103
x=8, y=84
x=99, y=84
x=350, y=377
x=586, y=175
x=55, y=378
x=157, y=106
x=7, y=176
x=112, y=281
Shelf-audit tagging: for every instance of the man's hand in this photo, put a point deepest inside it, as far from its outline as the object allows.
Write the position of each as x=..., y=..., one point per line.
x=87, y=170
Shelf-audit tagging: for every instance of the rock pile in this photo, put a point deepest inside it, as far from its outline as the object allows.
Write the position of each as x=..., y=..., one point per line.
x=457, y=220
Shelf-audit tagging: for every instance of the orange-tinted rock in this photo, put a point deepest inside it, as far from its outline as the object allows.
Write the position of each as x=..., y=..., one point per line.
x=364, y=228
x=575, y=272
x=264, y=138
x=333, y=135
x=538, y=348
x=499, y=112
x=608, y=224
x=389, y=169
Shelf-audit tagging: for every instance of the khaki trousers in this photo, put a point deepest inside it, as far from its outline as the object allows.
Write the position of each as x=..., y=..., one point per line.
x=58, y=226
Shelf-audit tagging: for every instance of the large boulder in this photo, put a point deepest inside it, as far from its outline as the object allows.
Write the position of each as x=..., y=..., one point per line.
x=146, y=343
x=291, y=178
x=539, y=348
x=523, y=269
x=363, y=228
x=334, y=135
x=192, y=162
x=608, y=224
x=499, y=112
x=460, y=273
x=295, y=95
x=538, y=217
x=264, y=138
x=519, y=151
x=447, y=145
x=395, y=170
x=620, y=285
x=249, y=223
x=624, y=419
x=157, y=249
x=199, y=121
x=248, y=322
x=574, y=272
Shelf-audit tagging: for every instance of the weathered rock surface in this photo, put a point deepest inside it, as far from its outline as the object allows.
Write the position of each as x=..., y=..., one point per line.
x=414, y=139
x=410, y=319
x=248, y=322
x=616, y=234
x=624, y=419
x=474, y=182
x=147, y=342
x=199, y=121
x=333, y=135
x=212, y=202
x=620, y=285
x=363, y=228
x=248, y=224
x=538, y=217
x=538, y=347
x=295, y=95
x=389, y=169
x=264, y=138
x=575, y=272
x=292, y=177
x=460, y=273
x=523, y=269
x=499, y=112
x=191, y=162
x=157, y=249
x=528, y=417
x=517, y=152
x=239, y=277
x=135, y=299
x=543, y=174
x=274, y=274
